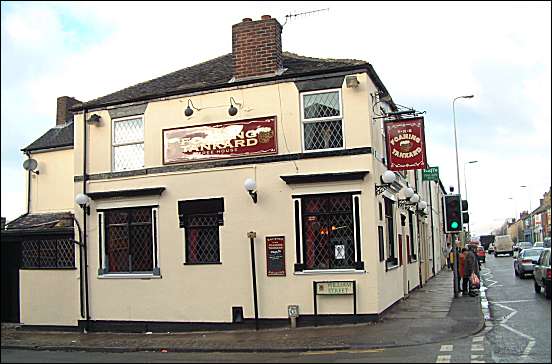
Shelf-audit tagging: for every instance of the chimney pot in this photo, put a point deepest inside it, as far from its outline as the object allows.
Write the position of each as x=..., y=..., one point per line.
x=265, y=17
x=246, y=19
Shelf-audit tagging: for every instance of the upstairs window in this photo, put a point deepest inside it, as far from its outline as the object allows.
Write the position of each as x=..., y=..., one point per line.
x=128, y=143
x=321, y=116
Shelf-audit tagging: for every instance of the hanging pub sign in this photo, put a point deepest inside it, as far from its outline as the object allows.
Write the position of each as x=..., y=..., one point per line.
x=405, y=144
x=220, y=140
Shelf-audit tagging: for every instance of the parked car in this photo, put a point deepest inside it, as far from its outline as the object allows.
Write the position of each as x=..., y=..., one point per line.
x=481, y=254
x=526, y=261
x=521, y=245
x=547, y=242
x=503, y=245
x=541, y=273
x=538, y=244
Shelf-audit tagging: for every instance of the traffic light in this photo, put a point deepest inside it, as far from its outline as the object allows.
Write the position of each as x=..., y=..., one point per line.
x=465, y=214
x=453, y=213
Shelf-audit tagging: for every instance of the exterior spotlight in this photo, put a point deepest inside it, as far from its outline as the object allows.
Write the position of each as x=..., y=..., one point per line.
x=251, y=187
x=412, y=198
x=422, y=205
x=415, y=198
x=232, y=109
x=387, y=178
x=84, y=202
x=94, y=119
x=408, y=192
x=188, y=112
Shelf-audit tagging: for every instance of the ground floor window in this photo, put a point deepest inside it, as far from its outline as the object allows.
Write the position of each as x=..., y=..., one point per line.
x=330, y=227
x=48, y=253
x=201, y=220
x=130, y=243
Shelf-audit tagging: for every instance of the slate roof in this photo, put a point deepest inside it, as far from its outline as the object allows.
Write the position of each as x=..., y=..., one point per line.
x=61, y=136
x=217, y=73
x=44, y=221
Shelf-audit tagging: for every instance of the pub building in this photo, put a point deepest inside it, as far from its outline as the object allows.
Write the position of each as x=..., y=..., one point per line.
x=167, y=186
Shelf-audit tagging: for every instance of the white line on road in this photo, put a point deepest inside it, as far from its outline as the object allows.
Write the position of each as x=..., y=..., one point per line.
x=478, y=339
x=446, y=347
x=518, y=301
x=477, y=347
x=443, y=359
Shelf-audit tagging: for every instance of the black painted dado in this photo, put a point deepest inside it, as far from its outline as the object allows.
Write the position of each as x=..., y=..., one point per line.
x=226, y=163
x=324, y=177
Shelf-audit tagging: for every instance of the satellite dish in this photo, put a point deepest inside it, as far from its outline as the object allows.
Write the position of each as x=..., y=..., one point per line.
x=31, y=165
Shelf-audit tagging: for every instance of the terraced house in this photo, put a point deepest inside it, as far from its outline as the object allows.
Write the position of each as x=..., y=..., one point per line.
x=177, y=177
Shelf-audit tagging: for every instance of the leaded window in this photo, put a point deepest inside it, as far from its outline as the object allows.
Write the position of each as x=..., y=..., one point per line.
x=130, y=240
x=128, y=143
x=201, y=220
x=48, y=253
x=322, y=120
x=328, y=232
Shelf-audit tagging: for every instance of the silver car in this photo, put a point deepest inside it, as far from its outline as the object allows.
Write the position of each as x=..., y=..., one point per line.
x=525, y=261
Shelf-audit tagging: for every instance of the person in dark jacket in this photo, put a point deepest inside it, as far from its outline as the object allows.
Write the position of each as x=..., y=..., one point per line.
x=470, y=266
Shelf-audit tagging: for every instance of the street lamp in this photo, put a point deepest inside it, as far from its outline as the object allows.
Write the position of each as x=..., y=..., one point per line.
x=456, y=290
x=528, y=195
x=466, y=185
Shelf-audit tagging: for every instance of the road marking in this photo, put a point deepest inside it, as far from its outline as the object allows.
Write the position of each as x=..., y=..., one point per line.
x=478, y=339
x=477, y=347
x=531, y=339
x=476, y=356
x=518, y=301
x=528, y=349
x=334, y=352
x=443, y=359
x=446, y=347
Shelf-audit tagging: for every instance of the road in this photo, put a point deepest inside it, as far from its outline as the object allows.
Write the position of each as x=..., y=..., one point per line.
x=517, y=331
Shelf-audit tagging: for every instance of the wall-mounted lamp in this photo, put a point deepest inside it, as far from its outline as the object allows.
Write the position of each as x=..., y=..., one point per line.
x=251, y=187
x=422, y=205
x=188, y=112
x=411, y=199
x=232, y=109
x=84, y=202
x=387, y=178
x=94, y=119
x=351, y=81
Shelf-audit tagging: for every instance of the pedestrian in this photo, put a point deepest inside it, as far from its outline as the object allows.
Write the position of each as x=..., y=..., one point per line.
x=461, y=263
x=470, y=266
x=449, y=249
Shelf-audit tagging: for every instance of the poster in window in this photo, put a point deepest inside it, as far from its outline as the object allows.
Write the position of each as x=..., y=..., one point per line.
x=275, y=256
x=405, y=141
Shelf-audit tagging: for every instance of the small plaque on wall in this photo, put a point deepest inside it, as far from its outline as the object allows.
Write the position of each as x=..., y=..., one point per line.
x=275, y=256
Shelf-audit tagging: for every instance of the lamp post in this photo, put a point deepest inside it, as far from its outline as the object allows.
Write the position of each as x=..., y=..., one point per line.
x=458, y=184
x=529, y=213
x=515, y=207
x=466, y=185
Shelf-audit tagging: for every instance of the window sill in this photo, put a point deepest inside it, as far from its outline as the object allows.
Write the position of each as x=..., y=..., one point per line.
x=48, y=268
x=129, y=276
x=330, y=271
x=321, y=150
x=211, y=263
x=393, y=267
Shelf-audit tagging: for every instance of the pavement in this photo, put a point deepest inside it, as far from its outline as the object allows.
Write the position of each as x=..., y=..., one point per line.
x=428, y=315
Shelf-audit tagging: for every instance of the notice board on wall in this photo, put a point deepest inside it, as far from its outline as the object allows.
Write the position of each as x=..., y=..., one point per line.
x=275, y=256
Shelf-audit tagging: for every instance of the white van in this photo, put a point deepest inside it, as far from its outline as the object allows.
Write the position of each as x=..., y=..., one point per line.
x=503, y=245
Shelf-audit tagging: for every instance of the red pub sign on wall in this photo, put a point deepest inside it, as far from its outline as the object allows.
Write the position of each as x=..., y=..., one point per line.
x=405, y=144
x=220, y=140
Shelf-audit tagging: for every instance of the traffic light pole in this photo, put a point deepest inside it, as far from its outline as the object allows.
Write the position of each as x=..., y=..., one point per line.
x=455, y=266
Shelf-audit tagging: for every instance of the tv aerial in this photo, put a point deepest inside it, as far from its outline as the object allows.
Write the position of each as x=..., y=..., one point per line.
x=289, y=16
x=31, y=165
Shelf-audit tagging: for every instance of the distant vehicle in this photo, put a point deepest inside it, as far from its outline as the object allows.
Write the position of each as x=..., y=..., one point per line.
x=526, y=261
x=486, y=241
x=491, y=248
x=503, y=245
x=538, y=244
x=547, y=242
x=541, y=273
x=481, y=254
x=523, y=245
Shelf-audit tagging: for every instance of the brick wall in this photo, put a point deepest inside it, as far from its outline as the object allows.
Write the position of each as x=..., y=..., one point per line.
x=256, y=47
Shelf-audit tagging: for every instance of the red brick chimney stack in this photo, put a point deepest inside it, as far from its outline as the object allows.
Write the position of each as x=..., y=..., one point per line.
x=63, y=105
x=257, y=47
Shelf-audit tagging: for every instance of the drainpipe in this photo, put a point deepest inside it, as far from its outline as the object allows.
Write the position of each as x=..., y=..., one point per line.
x=419, y=236
x=28, y=187
x=85, y=240
x=432, y=230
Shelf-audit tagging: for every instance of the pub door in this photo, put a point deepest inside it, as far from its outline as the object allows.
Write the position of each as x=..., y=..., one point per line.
x=11, y=257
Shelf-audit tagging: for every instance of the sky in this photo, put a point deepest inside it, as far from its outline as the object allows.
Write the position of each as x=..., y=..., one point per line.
x=426, y=54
